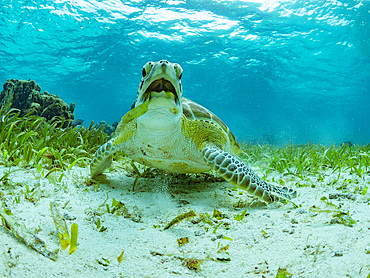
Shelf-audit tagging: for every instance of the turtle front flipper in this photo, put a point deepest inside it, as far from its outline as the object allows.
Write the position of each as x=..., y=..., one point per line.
x=102, y=159
x=235, y=171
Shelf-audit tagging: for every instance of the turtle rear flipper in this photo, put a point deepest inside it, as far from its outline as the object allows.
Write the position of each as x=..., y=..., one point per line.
x=235, y=171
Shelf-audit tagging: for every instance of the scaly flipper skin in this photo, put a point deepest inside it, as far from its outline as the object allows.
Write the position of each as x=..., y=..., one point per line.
x=102, y=159
x=235, y=171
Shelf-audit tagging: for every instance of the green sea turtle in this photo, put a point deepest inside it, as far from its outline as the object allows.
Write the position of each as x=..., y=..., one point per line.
x=167, y=131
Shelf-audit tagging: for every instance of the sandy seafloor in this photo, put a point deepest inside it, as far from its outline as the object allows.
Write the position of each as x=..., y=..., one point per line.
x=305, y=242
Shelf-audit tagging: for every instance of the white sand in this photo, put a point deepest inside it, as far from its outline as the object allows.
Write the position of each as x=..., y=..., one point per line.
x=298, y=239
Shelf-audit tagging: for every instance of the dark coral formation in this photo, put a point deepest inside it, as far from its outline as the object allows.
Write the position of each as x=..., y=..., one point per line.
x=108, y=128
x=26, y=96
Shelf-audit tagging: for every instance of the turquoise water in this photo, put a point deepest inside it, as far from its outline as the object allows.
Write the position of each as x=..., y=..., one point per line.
x=274, y=71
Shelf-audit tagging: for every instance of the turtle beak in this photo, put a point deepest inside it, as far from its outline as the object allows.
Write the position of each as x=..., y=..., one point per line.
x=160, y=85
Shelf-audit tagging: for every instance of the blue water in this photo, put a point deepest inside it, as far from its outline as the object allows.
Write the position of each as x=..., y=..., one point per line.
x=275, y=71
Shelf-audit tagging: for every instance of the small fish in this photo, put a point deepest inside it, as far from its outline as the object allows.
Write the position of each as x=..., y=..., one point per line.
x=77, y=122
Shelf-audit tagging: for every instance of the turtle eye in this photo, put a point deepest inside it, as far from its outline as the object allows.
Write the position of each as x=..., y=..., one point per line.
x=147, y=68
x=178, y=70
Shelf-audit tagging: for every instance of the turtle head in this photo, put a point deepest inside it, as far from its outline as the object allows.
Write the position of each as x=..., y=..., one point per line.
x=161, y=84
x=161, y=87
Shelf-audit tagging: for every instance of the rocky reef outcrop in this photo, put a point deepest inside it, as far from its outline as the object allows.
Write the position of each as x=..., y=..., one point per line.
x=108, y=128
x=26, y=96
